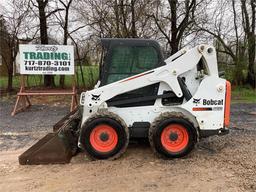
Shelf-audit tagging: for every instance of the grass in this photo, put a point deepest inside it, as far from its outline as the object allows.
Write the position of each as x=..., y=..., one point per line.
x=243, y=94
x=90, y=74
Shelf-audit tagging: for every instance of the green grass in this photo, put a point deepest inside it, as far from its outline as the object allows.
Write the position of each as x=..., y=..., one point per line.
x=243, y=94
x=90, y=77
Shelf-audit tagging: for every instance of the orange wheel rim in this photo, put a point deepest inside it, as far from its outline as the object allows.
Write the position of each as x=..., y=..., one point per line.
x=174, y=138
x=103, y=138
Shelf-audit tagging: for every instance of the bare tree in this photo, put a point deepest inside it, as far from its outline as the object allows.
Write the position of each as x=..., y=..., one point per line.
x=173, y=24
x=6, y=51
x=43, y=15
x=216, y=27
x=118, y=18
x=248, y=6
x=64, y=22
x=12, y=25
x=232, y=25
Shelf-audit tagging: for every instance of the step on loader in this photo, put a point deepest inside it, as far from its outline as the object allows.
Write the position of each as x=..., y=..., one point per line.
x=172, y=103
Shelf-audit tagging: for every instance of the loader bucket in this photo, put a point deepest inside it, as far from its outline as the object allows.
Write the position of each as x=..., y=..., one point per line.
x=57, y=147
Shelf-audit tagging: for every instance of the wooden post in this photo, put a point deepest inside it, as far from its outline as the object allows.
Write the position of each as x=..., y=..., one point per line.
x=74, y=102
x=22, y=95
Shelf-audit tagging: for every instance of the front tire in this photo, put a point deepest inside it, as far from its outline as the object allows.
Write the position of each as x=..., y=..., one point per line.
x=172, y=135
x=104, y=136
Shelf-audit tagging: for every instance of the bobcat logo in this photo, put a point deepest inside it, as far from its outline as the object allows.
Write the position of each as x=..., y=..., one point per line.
x=196, y=101
x=96, y=97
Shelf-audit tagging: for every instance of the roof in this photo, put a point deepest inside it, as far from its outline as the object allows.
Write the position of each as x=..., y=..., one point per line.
x=129, y=41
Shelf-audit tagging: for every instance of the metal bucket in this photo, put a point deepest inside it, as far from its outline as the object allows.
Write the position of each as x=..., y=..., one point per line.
x=55, y=148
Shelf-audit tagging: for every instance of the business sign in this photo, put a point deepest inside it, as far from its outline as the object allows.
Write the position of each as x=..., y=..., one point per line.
x=47, y=59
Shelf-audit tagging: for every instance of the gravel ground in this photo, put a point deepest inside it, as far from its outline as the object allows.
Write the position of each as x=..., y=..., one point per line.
x=226, y=163
x=25, y=127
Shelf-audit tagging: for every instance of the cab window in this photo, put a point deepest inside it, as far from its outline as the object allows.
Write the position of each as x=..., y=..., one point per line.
x=128, y=61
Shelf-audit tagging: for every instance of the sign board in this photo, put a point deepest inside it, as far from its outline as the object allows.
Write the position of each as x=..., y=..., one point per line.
x=47, y=59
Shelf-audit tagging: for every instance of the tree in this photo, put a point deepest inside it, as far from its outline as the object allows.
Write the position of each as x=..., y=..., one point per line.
x=12, y=25
x=64, y=25
x=248, y=6
x=174, y=18
x=41, y=5
x=218, y=26
x=233, y=26
x=5, y=51
x=118, y=18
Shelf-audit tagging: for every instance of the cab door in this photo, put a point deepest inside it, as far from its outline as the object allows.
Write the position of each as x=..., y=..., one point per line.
x=123, y=61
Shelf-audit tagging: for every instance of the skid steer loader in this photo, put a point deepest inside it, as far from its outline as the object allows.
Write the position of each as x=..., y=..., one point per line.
x=172, y=102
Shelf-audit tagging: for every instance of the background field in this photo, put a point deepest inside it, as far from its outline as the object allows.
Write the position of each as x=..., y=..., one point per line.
x=90, y=74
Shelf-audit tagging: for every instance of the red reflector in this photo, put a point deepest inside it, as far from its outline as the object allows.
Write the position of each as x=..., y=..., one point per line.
x=227, y=104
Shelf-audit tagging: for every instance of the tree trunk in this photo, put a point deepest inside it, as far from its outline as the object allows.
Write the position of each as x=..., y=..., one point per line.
x=133, y=30
x=62, y=81
x=251, y=76
x=249, y=29
x=116, y=11
x=174, y=41
x=48, y=79
x=10, y=71
x=252, y=47
x=9, y=86
x=125, y=31
x=65, y=31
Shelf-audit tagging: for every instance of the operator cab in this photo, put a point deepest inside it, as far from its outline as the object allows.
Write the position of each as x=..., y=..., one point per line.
x=127, y=57
x=123, y=58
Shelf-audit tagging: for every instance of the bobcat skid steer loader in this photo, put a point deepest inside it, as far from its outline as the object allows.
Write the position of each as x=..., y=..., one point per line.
x=172, y=102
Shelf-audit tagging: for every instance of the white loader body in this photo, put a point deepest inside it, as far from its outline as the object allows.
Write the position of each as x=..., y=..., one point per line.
x=205, y=109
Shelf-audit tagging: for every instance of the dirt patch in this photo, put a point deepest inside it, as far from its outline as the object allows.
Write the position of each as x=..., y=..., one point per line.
x=138, y=170
x=225, y=163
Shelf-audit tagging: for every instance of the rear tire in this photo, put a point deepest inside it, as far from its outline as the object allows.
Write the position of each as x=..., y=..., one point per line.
x=104, y=136
x=172, y=136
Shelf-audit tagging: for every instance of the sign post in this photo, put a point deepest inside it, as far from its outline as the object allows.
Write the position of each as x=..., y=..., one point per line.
x=45, y=60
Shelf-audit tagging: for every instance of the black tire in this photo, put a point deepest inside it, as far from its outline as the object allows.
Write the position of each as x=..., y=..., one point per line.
x=119, y=127
x=164, y=121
